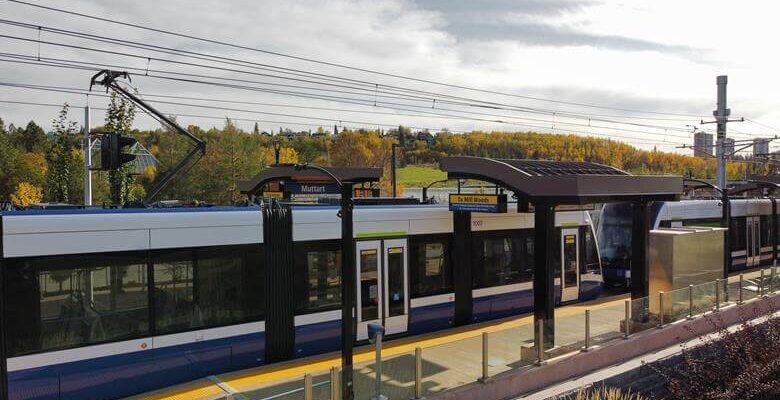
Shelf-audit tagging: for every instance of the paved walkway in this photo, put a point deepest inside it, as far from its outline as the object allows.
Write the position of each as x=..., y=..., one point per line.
x=450, y=358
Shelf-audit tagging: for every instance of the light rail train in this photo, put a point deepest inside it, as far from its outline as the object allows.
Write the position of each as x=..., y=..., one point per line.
x=750, y=229
x=106, y=303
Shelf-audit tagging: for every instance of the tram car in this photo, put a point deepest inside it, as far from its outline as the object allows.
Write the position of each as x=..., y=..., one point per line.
x=106, y=303
x=750, y=231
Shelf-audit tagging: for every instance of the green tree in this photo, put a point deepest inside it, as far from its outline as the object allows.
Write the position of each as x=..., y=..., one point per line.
x=9, y=155
x=31, y=138
x=119, y=119
x=60, y=158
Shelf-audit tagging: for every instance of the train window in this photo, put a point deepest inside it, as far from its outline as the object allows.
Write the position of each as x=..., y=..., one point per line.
x=317, y=276
x=207, y=287
x=70, y=301
x=430, y=272
x=738, y=227
x=766, y=231
x=501, y=259
x=591, y=252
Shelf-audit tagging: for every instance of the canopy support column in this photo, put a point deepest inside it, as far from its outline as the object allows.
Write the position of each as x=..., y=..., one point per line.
x=461, y=261
x=544, y=284
x=348, y=292
x=640, y=282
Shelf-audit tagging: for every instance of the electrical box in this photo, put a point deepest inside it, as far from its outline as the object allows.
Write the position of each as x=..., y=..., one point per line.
x=685, y=256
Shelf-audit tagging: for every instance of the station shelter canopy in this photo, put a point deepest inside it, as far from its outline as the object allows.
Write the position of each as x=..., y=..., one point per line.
x=564, y=182
x=289, y=173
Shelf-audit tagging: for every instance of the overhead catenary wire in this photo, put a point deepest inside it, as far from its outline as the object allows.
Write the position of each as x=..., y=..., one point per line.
x=332, y=64
x=329, y=90
x=77, y=91
x=342, y=123
x=70, y=64
x=296, y=72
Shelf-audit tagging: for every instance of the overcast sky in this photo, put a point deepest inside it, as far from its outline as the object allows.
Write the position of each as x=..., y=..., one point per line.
x=660, y=56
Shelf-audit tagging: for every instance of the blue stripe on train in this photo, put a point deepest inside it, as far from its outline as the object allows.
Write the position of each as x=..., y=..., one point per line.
x=137, y=372
x=324, y=337
x=502, y=305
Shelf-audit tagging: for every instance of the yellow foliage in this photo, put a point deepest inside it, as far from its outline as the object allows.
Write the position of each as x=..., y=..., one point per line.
x=26, y=194
x=288, y=155
x=149, y=173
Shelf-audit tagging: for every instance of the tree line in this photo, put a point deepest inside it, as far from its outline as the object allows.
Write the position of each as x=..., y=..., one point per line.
x=36, y=166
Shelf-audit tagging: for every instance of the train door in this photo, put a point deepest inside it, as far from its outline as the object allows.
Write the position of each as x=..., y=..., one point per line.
x=753, y=238
x=382, y=286
x=570, y=270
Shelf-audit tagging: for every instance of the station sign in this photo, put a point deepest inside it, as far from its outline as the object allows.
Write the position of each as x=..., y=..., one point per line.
x=366, y=192
x=273, y=195
x=474, y=202
x=312, y=188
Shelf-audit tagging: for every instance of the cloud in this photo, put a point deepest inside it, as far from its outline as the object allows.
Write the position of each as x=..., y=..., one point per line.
x=641, y=56
x=534, y=23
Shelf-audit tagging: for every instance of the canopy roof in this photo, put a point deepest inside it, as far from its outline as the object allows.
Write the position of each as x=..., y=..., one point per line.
x=564, y=182
x=291, y=174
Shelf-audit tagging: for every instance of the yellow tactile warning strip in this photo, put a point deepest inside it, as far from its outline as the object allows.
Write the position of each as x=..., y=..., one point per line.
x=245, y=380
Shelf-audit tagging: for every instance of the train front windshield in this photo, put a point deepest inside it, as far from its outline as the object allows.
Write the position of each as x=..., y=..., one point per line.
x=614, y=240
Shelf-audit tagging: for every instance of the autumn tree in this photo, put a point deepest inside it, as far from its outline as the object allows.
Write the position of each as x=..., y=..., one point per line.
x=60, y=158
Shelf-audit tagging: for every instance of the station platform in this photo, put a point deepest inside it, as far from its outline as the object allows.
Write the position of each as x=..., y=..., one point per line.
x=450, y=360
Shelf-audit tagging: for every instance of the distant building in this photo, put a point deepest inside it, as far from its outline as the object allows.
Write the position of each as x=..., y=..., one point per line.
x=426, y=137
x=702, y=145
x=760, y=147
x=143, y=158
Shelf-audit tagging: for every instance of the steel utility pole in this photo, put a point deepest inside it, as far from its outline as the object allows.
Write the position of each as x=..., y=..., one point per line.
x=87, y=159
x=721, y=118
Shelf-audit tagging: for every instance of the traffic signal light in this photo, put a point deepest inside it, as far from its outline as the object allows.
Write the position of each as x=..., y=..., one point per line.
x=112, y=154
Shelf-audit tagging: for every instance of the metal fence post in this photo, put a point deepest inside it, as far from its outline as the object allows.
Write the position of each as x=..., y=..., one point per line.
x=540, y=342
x=308, y=391
x=761, y=283
x=660, y=309
x=628, y=319
x=334, y=383
x=690, y=301
x=772, y=279
x=485, y=372
x=418, y=374
x=717, y=294
x=587, y=331
x=741, y=285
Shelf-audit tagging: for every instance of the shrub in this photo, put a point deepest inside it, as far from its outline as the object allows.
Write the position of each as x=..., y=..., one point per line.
x=732, y=365
x=602, y=393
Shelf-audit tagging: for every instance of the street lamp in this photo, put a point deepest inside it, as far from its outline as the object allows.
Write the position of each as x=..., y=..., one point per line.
x=348, y=279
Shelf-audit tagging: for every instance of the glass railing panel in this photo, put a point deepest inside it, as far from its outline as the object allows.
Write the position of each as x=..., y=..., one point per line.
x=607, y=322
x=641, y=317
x=750, y=286
x=290, y=388
x=511, y=348
x=452, y=364
x=397, y=377
x=732, y=291
x=676, y=305
x=703, y=298
x=569, y=330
